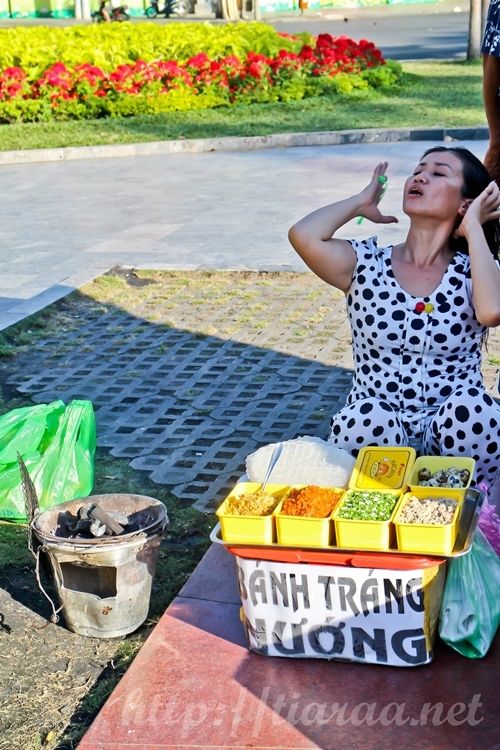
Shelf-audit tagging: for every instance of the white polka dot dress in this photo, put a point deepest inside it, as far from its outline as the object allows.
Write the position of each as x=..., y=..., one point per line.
x=418, y=377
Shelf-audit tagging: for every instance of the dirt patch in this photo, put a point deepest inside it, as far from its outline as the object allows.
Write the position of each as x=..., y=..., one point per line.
x=46, y=670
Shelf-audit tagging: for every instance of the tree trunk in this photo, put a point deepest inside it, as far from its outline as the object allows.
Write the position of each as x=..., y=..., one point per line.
x=475, y=30
x=230, y=10
x=477, y=22
x=485, y=4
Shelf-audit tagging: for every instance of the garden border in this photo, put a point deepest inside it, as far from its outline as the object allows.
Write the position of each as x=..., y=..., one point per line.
x=245, y=143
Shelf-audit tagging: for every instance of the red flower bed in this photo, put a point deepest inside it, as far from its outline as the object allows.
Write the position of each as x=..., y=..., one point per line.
x=77, y=91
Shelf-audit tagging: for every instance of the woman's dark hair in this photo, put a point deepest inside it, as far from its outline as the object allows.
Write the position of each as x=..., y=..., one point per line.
x=476, y=179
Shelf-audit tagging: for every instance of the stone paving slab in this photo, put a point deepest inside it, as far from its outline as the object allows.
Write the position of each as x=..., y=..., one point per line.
x=243, y=143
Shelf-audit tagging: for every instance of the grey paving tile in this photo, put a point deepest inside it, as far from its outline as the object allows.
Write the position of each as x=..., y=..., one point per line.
x=42, y=299
x=8, y=319
x=7, y=303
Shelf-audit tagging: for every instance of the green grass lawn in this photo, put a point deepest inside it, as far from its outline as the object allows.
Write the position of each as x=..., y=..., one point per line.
x=433, y=94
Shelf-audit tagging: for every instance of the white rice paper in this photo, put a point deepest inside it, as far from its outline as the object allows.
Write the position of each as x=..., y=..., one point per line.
x=305, y=460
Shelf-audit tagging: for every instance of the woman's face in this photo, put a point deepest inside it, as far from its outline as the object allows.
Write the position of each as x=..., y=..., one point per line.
x=434, y=190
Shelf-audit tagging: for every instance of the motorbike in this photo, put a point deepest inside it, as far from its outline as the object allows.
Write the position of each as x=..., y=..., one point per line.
x=170, y=8
x=105, y=13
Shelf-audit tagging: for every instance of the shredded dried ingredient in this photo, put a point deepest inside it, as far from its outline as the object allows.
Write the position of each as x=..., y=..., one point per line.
x=435, y=511
x=311, y=501
x=251, y=504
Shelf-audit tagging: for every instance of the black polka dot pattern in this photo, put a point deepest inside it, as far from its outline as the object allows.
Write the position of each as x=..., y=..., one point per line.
x=417, y=375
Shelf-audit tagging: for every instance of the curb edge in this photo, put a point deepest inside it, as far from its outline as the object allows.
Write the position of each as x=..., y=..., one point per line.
x=245, y=143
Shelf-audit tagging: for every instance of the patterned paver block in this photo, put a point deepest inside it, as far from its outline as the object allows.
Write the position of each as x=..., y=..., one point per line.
x=188, y=406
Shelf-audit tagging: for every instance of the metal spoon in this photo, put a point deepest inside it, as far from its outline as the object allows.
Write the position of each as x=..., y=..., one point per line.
x=272, y=463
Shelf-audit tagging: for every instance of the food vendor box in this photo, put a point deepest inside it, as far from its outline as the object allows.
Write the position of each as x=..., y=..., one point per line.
x=306, y=531
x=249, y=529
x=429, y=538
x=327, y=611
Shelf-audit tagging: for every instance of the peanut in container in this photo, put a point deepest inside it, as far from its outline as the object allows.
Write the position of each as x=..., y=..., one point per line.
x=429, y=535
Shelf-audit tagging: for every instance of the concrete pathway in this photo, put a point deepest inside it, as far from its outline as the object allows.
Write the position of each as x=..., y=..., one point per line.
x=65, y=223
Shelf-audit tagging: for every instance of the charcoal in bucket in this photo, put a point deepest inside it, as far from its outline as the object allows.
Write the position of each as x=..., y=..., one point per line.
x=103, y=581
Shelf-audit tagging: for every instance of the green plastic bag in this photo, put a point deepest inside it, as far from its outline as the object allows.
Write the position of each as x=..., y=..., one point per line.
x=57, y=444
x=470, y=609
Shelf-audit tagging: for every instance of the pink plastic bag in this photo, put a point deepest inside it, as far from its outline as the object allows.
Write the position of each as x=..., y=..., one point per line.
x=489, y=520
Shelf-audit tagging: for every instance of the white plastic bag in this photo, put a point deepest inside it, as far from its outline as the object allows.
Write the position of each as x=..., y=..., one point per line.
x=305, y=460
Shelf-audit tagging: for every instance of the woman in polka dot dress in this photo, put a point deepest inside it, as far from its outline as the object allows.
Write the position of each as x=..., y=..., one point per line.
x=419, y=311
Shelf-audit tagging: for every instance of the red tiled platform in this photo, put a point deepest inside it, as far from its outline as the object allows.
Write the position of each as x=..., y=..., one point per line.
x=195, y=685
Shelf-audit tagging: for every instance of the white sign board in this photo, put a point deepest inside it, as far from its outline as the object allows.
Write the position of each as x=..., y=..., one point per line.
x=334, y=612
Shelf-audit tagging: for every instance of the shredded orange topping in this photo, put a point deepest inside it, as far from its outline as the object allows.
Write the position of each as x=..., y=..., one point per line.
x=311, y=501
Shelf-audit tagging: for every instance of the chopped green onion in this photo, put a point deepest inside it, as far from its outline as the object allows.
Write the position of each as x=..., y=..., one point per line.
x=367, y=505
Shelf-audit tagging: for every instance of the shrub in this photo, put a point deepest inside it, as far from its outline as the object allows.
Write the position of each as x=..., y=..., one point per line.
x=109, y=45
x=83, y=89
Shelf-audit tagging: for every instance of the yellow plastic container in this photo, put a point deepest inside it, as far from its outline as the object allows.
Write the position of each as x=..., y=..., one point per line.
x=382, y=468
x=429, y=539
x=369, y=535
x=435, y=463
x=249, y=529
x=304, y=531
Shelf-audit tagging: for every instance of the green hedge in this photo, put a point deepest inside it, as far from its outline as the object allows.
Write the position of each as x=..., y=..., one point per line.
x=109, y=45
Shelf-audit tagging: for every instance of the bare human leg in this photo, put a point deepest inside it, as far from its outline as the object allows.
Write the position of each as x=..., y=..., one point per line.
x=491, y=98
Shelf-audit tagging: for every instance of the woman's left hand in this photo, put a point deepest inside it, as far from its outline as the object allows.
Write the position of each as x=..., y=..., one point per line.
x=486, y=207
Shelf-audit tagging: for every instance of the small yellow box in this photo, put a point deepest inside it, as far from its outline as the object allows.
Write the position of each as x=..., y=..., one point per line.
x=369, y=535
x=429, y=539
x=305, y=531
x=382, y=468
x=435, y=463
x=249, y=529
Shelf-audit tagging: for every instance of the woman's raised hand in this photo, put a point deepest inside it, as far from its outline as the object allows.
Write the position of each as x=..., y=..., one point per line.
x=371, y=195
x=486, y=207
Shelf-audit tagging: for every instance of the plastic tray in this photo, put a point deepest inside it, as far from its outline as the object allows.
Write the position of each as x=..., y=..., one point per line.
x=391, y=559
